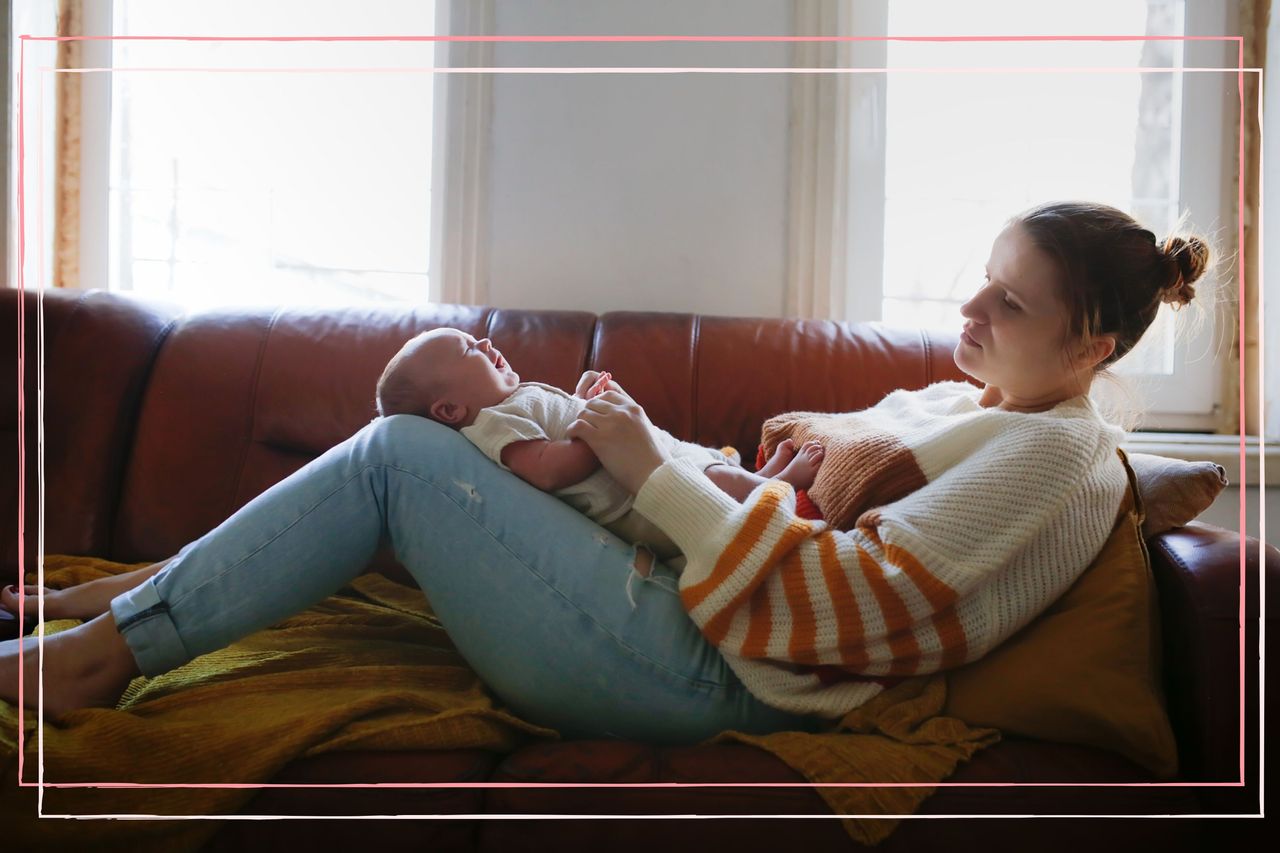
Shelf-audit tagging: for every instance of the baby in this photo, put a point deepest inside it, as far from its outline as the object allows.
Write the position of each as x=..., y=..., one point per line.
x=452, y=378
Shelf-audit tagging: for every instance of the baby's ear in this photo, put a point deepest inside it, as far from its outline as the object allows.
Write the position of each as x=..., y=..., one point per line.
x=447, y=412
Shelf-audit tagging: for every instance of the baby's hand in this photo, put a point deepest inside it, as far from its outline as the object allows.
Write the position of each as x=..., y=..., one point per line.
x=592, y=384
x=601, y=385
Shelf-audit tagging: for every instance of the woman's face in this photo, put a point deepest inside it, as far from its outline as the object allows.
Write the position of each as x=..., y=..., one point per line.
x=1016, y=332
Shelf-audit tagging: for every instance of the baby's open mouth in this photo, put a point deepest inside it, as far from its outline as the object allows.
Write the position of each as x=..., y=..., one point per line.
x=498, y=362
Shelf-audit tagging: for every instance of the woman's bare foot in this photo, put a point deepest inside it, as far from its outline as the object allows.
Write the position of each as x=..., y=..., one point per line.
x=782, y=455
x=803, y=467
x=88, y=666
x=54, y=602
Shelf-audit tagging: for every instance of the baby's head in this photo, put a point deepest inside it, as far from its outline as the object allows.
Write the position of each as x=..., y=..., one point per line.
x=446, y=375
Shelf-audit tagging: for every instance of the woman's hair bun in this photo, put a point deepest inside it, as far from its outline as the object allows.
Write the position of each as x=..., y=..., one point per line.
x=1188, y=257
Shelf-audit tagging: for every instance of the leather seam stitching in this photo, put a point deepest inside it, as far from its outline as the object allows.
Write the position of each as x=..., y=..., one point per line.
x=695, y=349
x=253, y=409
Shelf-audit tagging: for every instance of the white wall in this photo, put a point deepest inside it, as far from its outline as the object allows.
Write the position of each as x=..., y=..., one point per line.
x=640, y=191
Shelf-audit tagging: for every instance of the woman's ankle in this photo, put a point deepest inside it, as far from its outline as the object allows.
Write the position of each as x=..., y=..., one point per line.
x=88, y=666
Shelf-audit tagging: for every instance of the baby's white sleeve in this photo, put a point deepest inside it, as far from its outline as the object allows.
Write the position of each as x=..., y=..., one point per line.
x=498, y=426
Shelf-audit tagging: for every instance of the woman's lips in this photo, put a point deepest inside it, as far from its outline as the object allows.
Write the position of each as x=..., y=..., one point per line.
x=964, y=336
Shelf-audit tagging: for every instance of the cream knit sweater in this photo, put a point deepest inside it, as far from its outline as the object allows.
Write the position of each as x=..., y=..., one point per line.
x=1009, y=510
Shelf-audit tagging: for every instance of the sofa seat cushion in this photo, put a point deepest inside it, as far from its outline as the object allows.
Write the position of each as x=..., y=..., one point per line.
x=609, y=763
x=292, y=793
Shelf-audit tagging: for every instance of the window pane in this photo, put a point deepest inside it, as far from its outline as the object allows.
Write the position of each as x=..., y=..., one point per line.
x=271, y=186
x=957, y=159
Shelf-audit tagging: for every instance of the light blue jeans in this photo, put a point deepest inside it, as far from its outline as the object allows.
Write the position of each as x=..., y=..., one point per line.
x=539, y=600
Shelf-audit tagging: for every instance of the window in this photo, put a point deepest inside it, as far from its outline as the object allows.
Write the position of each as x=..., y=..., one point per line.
x=256, y=172
x=963, y=151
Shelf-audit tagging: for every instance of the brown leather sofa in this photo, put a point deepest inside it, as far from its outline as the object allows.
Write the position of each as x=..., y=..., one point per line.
x=157, y=426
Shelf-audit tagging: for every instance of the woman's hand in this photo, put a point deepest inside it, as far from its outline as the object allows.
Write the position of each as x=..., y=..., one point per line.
x=619, y=433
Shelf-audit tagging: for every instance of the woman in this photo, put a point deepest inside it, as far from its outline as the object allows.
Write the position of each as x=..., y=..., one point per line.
x=1011, y=490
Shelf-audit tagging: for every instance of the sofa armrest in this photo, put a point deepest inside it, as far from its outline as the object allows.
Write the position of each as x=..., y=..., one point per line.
x=1197, y=572
x=97, y=350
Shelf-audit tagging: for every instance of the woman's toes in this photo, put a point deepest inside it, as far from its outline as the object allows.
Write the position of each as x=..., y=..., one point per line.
x=31, y=600
x=9, y=598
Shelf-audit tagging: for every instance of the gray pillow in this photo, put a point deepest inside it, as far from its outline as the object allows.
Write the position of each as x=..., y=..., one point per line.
x=1174, y=491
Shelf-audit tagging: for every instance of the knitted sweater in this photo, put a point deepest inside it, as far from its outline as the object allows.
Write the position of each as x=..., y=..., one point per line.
x=1008, y=510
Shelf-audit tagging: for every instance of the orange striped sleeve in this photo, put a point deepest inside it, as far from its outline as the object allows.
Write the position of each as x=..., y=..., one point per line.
x=897, y=619
x=804, y=629
x=716, y=627
x=908, y=664
x=939, y=595
x=760, y=626
x=743, y=541
x=849, y=630
x=955, y=645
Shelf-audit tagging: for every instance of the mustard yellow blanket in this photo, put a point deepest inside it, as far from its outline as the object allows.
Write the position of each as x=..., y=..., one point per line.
x=371, y=668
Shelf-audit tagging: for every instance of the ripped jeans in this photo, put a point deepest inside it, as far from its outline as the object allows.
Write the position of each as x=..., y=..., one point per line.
x=539, y=600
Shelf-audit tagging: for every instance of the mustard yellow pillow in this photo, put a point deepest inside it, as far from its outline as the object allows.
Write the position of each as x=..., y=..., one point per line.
x=1087, y=670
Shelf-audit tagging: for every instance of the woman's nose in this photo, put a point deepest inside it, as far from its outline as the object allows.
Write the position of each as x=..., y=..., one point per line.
x=971, y=309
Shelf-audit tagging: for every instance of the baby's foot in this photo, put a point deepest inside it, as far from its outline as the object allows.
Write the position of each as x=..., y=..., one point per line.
x=803, y=468
x=782, y=454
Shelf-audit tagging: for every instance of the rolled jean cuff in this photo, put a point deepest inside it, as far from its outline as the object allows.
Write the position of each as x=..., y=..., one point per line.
x=142, y=618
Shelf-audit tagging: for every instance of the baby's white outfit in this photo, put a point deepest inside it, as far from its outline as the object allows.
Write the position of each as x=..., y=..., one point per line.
x=538, y=411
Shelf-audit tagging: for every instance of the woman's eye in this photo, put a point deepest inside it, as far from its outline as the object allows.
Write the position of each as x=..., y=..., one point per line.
x=1011, y=304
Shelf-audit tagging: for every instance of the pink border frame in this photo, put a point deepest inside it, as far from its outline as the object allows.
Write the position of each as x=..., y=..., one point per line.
x=21, y=383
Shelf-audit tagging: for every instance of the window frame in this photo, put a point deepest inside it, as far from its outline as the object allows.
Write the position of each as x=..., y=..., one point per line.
x=856, y=285
x=457, y=263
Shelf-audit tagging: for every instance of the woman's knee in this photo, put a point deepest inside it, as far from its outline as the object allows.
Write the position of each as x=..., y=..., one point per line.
x=401, y=437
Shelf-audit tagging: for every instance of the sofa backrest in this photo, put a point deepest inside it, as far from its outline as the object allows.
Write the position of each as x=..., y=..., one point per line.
x=238, y=399
x=714, y=380
x=241, y=399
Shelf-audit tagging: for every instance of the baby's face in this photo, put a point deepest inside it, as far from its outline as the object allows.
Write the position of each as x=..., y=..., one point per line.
x=473, y=372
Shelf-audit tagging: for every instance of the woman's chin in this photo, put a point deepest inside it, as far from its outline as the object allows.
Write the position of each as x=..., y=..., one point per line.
x=965, y=363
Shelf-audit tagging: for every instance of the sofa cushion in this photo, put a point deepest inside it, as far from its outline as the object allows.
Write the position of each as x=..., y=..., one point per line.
x=370, y=785
x=597, y=771
x=240, y=399
x=1174, y=491
x=715, y=380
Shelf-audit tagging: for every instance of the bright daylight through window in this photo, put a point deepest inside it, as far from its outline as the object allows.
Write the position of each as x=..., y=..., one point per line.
x=299, y=184
x=963, y=151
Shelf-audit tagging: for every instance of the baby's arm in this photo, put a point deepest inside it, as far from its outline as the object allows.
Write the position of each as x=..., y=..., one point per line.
x=550, y=465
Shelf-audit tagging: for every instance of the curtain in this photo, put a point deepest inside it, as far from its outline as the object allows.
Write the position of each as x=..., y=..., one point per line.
x=66, y=250
x=1254, y=17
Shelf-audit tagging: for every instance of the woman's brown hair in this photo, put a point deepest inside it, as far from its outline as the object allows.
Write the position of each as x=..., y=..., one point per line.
x=1115, y=273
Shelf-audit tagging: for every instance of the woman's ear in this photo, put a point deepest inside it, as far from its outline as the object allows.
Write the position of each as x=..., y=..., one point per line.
x=1095, y=352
